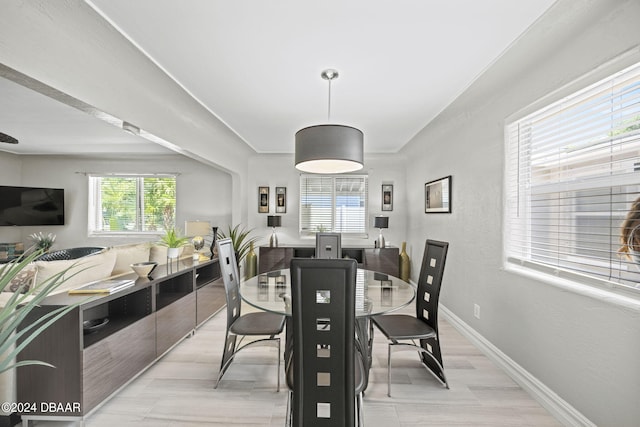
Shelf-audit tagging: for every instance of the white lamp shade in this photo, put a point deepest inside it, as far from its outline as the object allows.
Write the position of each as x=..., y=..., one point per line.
x=197, y=228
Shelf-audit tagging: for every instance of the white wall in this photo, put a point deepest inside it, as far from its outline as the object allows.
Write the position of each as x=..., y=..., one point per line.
x=278, y=171
x=203, y=192
x=10, y=174
x=585, y=350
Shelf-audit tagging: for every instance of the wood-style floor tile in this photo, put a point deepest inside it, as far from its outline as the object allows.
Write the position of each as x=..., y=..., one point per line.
x=178, y=389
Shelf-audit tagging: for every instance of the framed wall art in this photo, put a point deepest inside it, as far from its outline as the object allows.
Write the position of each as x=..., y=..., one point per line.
x=387, y=197
x=281, y=199
x=437, y=196
x=263, y=199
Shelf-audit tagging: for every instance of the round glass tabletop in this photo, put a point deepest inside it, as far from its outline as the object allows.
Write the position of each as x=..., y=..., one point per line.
x=376, y=293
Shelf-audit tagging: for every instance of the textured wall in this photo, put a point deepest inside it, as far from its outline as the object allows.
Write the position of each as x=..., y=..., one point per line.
x=584, y=349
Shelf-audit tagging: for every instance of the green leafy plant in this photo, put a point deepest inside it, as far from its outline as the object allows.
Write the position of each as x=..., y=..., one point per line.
x=43, y=241
x=13, y=337
x=172, y=239
x=240, y=237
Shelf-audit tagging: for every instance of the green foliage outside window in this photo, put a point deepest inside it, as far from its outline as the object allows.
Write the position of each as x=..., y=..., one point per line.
x=136, y=203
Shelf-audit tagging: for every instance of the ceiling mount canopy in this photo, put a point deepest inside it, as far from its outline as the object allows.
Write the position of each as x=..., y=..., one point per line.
x=329, y=148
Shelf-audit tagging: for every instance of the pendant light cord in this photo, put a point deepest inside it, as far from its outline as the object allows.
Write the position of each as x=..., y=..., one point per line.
x=329, y=74
x=329, y=106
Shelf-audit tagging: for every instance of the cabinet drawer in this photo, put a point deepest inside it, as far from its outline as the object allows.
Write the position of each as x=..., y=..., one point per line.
x=175, y=321
x=209, y=299
x=113, y=361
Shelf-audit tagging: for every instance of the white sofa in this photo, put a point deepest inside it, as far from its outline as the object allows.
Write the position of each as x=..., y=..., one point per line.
x=111, y=262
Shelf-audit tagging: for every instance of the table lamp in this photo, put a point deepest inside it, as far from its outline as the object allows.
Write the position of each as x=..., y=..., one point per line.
x=381, y=222
x=197, y=231
x=274, y=221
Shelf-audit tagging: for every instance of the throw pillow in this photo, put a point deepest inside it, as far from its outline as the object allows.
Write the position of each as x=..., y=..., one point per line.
x=129, y=254
x=81, y=271
x=23, y=281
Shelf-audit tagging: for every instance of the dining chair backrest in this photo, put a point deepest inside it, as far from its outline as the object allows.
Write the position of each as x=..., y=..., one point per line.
x=323, y=317
x=231, y=280
x=328, y=245
x=430, y=282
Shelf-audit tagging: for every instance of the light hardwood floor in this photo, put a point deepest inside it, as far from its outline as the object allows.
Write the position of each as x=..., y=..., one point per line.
x=178, y=389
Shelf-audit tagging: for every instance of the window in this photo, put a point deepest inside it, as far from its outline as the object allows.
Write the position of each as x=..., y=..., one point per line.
x=335, y=204
x=573, y=172
x=131, y=204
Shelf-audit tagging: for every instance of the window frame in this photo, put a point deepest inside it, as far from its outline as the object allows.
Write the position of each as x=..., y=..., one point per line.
x=94, y=200
x=586, y=284
x=304, y=234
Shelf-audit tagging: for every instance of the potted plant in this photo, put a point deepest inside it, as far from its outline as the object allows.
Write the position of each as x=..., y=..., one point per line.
x=241, y=241
x=174, y=242
x=42, y=241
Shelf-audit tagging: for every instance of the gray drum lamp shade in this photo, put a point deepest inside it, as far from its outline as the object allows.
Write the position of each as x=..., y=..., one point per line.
x=381, y=222
x=329, y=149
x=274, y=221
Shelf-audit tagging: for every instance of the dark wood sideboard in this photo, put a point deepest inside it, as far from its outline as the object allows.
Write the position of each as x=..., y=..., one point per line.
x=384, y=260
x=145, y=321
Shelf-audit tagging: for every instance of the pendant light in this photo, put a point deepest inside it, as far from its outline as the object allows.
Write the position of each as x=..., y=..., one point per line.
x=329, y=148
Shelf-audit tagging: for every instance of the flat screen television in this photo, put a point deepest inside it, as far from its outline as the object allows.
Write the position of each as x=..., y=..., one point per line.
x=31, y=206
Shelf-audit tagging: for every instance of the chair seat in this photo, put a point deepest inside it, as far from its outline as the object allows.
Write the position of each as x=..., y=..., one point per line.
x=403, y=327
x=262, y=323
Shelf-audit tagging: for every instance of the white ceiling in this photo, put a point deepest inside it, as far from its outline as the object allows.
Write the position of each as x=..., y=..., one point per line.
x=256, y=65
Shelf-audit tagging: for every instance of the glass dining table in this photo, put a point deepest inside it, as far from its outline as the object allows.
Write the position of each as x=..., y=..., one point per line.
x=376, y=293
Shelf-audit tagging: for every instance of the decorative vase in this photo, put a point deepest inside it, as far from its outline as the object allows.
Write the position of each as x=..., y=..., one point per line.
x=214, y=250
x=173, y=253
x=251, y=263
x=405, y=264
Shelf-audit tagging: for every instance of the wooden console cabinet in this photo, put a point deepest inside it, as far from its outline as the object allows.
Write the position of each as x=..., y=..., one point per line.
x=145, y=321
x=384, y=260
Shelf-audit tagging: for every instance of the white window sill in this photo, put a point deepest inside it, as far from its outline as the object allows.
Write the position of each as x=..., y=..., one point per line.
x=616, y=295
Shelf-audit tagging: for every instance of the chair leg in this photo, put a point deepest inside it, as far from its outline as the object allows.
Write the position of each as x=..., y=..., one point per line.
x=389, y=370
x=233, y=347
x=420, y=350
x=229, y=352
x=288, y=417
x=435, y=360
x=431, y=359
x=359, y=410
x=278, y=367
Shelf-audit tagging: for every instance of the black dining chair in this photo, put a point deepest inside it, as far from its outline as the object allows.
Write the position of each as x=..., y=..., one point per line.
x=400, y=328
x=328, y=245
x=268, y=325
x=326, y=372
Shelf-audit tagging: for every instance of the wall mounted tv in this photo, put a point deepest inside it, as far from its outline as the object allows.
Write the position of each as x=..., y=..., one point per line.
x=31, y=206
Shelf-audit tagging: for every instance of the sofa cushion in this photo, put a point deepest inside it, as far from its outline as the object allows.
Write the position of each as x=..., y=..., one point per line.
x=127, y=255
x=81, y=271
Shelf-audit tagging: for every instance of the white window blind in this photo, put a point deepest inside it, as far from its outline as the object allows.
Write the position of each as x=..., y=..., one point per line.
x=131, y=204
x=333, y=204
x=573, y=172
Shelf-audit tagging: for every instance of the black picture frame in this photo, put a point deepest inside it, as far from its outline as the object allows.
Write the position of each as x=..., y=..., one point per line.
x=263, y=199
x=281, y=199
x=437, y=196
x=387, y=197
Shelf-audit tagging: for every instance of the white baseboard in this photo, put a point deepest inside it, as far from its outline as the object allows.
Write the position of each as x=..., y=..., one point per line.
x=560, y=409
